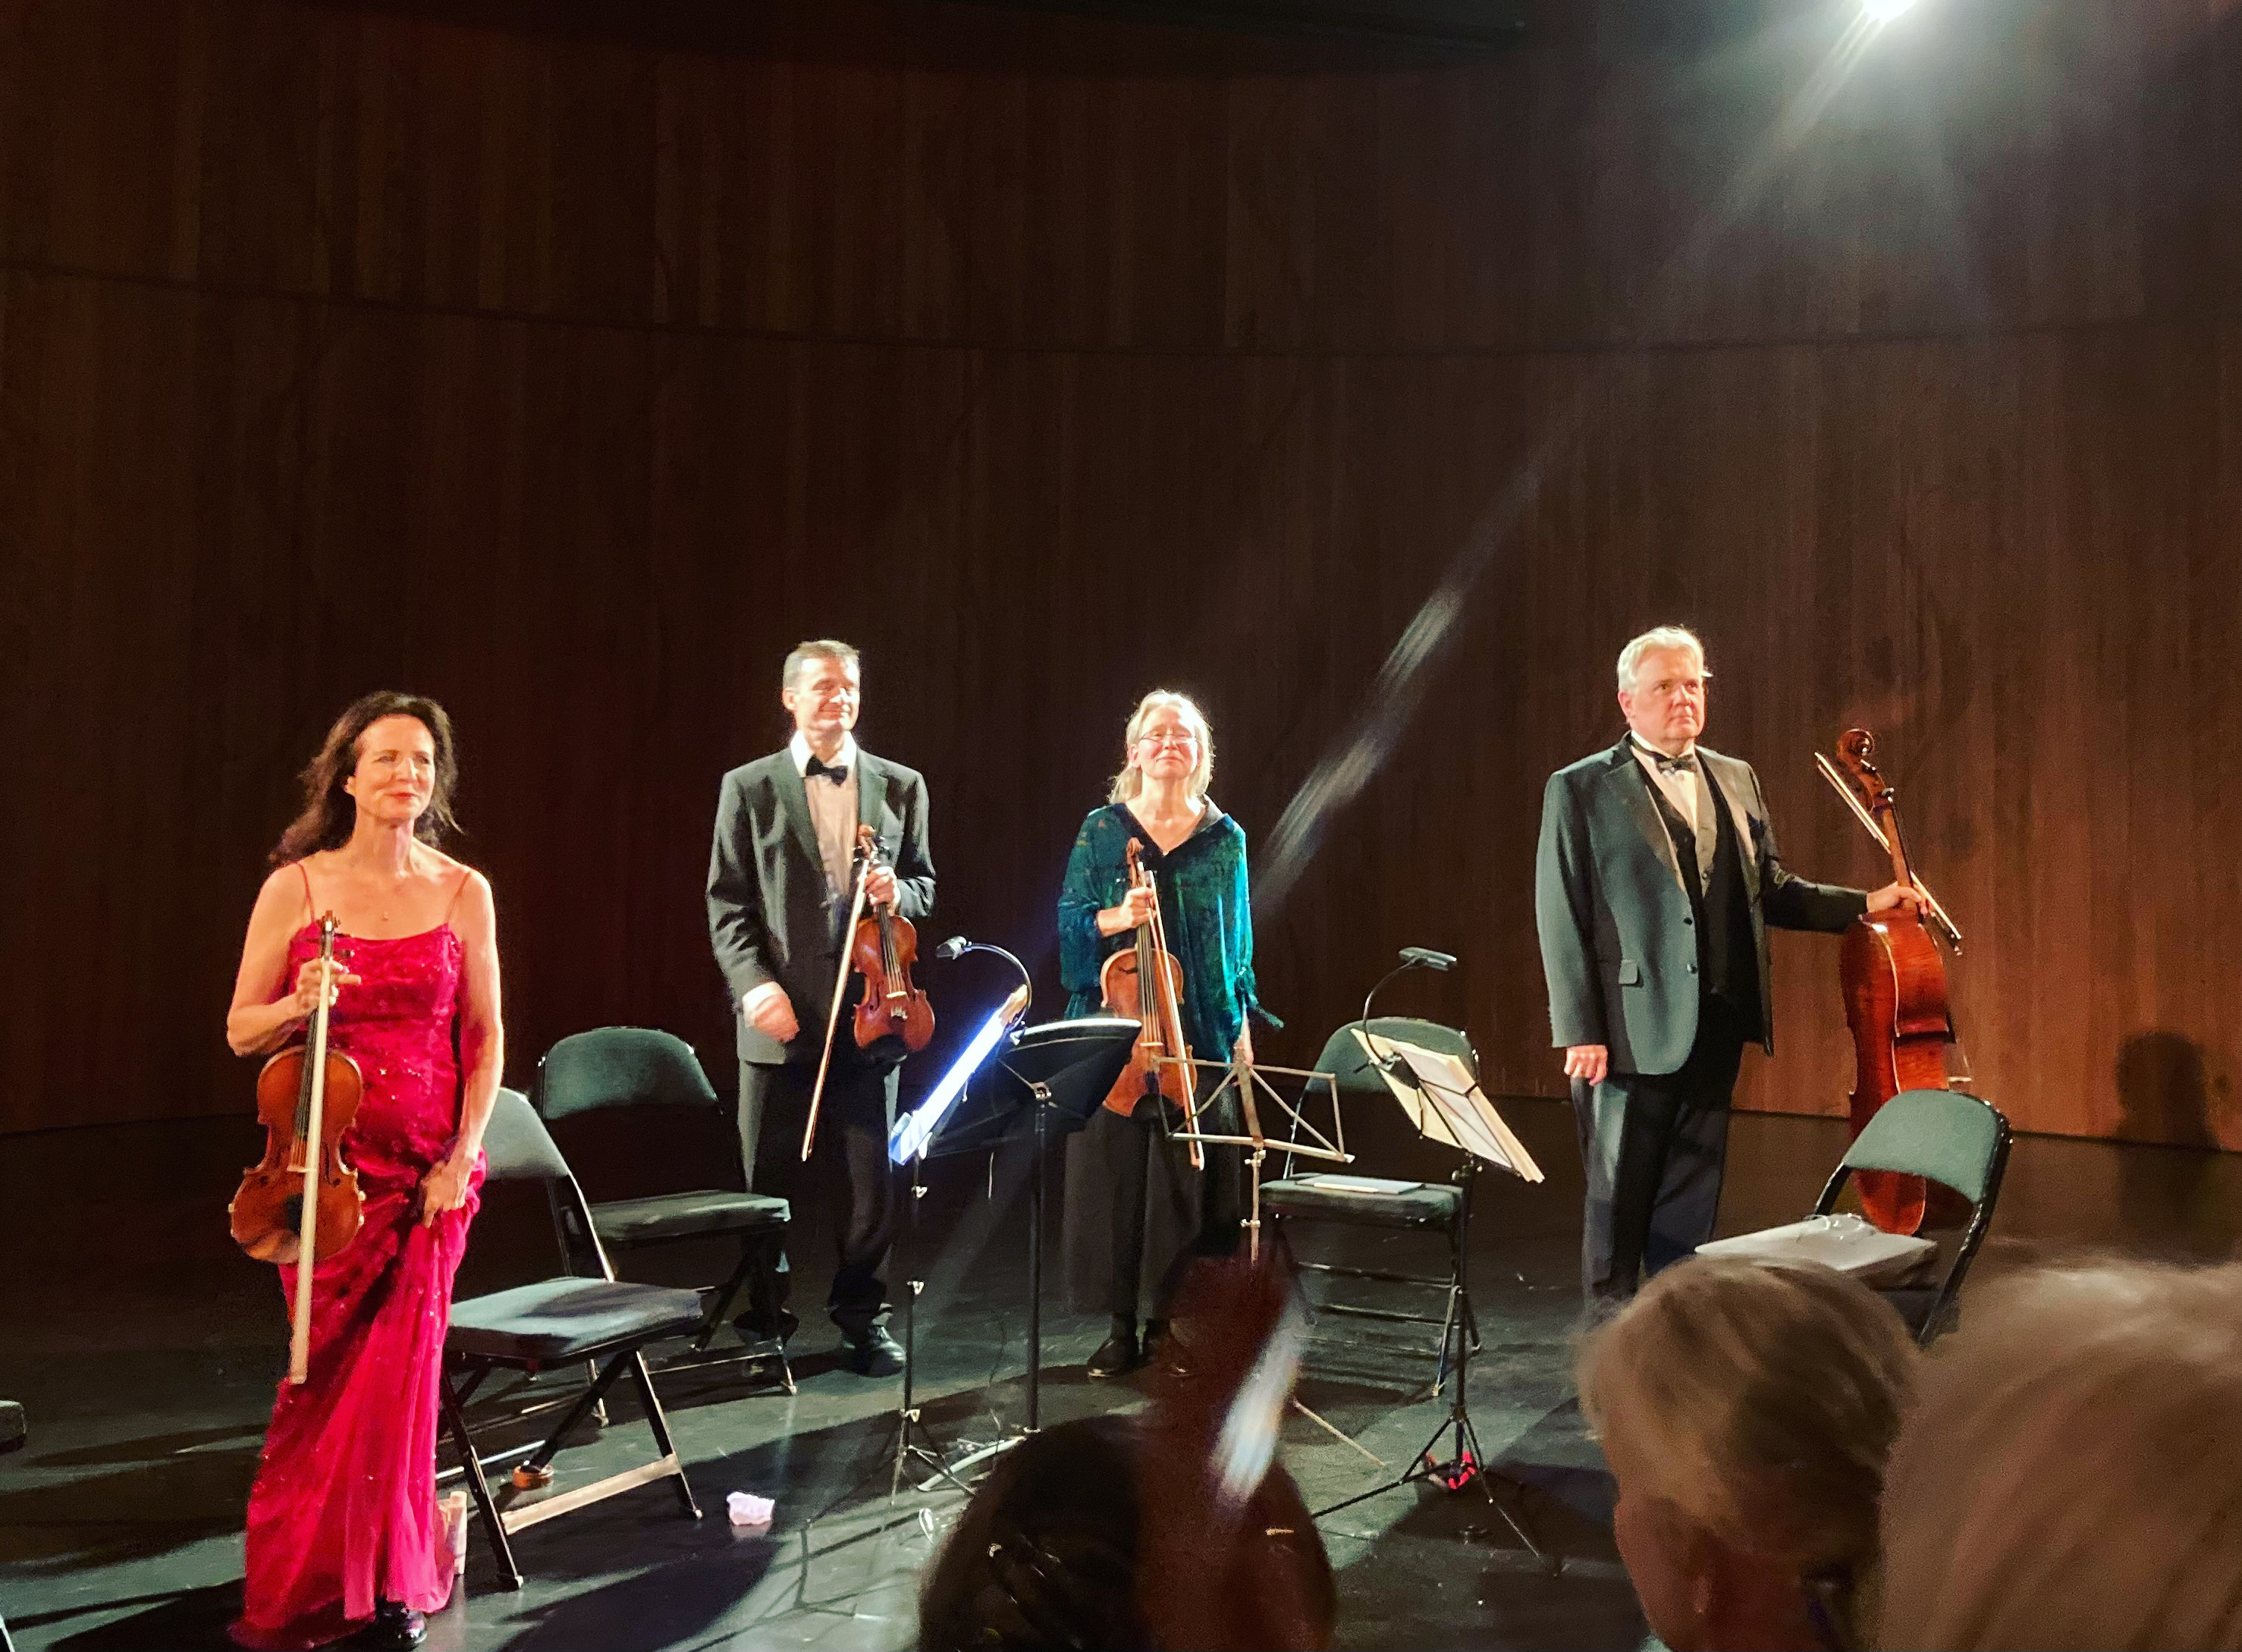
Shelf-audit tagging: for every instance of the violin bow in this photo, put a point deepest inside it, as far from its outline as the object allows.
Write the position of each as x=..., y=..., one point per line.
x=1844, y=789
x=307, y=1230
x=1170, y=1015
x=833, y=1016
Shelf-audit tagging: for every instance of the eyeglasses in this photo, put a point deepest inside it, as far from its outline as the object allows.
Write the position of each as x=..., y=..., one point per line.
x=1181, y=742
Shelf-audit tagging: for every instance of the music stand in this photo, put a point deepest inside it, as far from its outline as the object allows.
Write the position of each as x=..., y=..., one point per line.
x=1442, y=1099
x=1052, y=1076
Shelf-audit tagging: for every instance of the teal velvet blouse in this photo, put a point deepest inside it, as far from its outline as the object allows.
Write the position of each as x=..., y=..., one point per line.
x=1205, y=906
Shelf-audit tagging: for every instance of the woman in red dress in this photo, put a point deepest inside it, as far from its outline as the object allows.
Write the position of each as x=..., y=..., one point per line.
x=344, y=1534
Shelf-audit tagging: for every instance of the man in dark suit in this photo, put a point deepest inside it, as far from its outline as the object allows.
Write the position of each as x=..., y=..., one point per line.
x=1655, y=887
x=780, y=881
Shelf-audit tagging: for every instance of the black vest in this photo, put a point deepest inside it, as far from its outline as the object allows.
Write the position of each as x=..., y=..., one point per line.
x=1727, y=954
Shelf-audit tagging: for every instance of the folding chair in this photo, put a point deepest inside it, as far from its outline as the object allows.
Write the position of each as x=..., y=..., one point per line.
x=1945, y=1137
x=1420, y=1207
x=611, y=1067
x=569, y=1319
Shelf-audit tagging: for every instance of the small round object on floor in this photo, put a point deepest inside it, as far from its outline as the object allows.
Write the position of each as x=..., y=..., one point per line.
x=528, y=1477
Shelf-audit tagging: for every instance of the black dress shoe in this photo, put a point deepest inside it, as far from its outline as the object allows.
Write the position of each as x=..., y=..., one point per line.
x=395, y=1625
x=873, y=1354
x=1117, y=1356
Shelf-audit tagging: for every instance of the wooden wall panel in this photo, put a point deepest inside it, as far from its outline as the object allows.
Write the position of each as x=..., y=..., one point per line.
x=572, y=380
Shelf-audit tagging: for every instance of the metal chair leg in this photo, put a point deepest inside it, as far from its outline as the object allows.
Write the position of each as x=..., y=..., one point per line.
x=478, y=1488
x=720, y=1303
x=660, y=1424
x=594, y=1398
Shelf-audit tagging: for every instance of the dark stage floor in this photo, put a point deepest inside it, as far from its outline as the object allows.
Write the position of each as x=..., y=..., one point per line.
x=146, y=1352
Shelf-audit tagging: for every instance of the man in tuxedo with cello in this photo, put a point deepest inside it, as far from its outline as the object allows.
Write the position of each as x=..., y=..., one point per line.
x=781, y=879
x=1654, y=886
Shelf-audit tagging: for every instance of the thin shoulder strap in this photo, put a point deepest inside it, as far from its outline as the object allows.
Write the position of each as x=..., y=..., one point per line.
x=309, y=905
x=465, y=872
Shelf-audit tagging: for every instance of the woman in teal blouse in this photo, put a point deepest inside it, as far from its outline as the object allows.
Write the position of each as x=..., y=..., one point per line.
x=1135, y=1207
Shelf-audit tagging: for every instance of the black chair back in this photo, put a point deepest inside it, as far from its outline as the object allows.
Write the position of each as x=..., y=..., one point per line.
x=1344, y=1058
x=621, y=1067
x=517, y=1146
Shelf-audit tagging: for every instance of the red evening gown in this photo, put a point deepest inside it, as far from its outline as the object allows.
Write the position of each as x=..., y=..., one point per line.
x=344, y=1509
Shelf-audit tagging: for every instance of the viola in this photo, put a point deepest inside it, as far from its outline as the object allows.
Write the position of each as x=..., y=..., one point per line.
x=1143, y=983
x=882, y=951
x=303, y=1190
x=1895, y=985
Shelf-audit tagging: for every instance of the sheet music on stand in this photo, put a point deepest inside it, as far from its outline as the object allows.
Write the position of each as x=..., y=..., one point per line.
x=1447, y=1104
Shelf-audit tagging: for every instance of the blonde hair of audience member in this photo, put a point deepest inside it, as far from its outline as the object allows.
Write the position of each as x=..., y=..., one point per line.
x=1746, y=1411
x=1131, y=779
x=2072, y=1476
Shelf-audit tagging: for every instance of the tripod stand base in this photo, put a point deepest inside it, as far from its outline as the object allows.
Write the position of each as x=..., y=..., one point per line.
x=1467, y=1466
x=914, y=1444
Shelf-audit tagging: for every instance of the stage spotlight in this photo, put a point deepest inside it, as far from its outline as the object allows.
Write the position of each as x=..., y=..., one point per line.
x=1886, y=10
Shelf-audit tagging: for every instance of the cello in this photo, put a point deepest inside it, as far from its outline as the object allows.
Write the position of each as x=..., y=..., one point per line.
x=303, y=1190
x=1893, y=981
x=1160, y=1062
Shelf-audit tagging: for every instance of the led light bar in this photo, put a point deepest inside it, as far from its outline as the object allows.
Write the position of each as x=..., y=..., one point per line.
x=909, y=1139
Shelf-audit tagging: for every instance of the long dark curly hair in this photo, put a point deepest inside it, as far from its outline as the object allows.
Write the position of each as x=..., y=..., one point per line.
x=330, y=813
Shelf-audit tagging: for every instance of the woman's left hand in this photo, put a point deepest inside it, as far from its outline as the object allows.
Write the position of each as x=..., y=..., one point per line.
x=445, y=1188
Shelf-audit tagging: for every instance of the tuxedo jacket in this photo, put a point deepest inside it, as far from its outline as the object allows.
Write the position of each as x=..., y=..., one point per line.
x=768, y=915
x=1617, y=942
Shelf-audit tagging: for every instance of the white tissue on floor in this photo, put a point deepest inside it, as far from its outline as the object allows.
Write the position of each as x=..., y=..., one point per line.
x=747, y=1509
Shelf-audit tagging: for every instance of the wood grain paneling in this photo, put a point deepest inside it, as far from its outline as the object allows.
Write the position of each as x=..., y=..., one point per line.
x=572, y=379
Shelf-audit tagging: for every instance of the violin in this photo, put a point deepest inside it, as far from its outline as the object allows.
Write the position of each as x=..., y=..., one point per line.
x=1894, y=983
x=882, y=950
x=1160, y=1062
x=308, y=1098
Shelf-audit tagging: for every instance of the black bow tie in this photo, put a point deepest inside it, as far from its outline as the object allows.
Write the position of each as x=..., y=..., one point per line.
x=837, y=772
x=1668, y=765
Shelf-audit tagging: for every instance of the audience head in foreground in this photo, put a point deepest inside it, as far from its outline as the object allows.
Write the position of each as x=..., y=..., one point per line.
x=1172, y=1528
x=2073, y=1475
x=1746, y=1411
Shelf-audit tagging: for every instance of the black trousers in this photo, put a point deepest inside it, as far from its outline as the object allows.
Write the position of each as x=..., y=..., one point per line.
x=853, y=1120
x=1653, y=1146
x=1137, y=1213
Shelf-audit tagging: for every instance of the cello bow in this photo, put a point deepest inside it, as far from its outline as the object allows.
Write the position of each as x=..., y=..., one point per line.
x=1938, y=914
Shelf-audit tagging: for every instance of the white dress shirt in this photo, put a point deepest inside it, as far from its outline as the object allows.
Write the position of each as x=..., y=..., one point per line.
x=832, y=811
x=1686, y=789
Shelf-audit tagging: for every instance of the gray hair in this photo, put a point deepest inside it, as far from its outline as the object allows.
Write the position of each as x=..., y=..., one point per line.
x=1663, y=639
x=2069, y=1476
x=1763, y=1399
x=818, y=648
